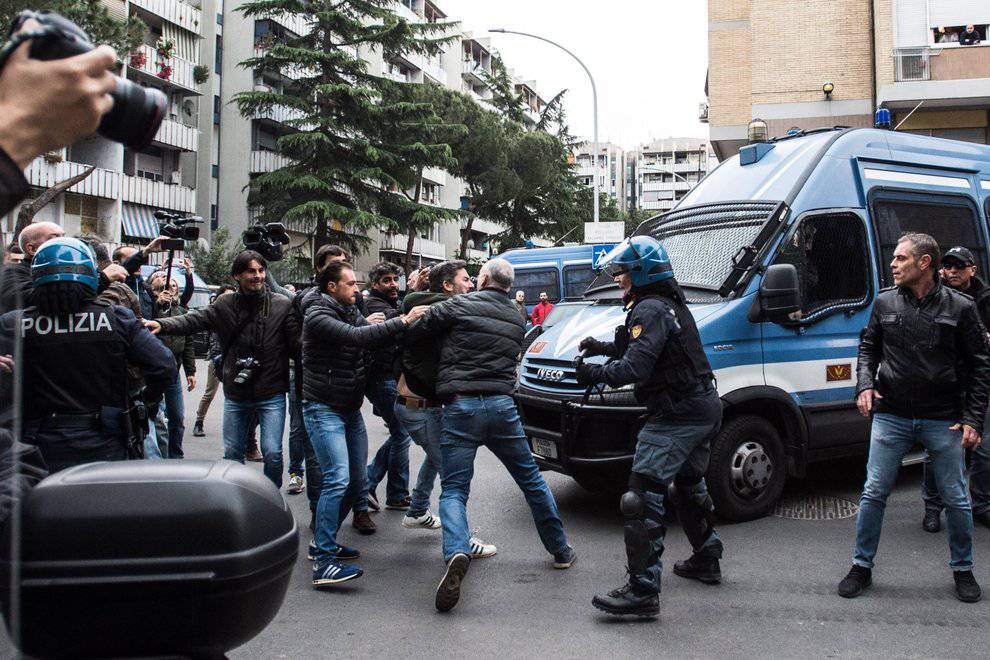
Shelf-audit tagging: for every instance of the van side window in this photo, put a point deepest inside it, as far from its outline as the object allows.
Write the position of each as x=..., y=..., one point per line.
x=533, y=281
x=950, y=219
x=576, y=280
x=831, y=256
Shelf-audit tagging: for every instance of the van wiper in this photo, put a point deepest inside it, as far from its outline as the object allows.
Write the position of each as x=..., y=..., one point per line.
x=745, y=259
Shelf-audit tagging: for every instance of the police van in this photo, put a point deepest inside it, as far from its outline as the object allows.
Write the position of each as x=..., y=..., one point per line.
x=780, y=251
x=563, y=272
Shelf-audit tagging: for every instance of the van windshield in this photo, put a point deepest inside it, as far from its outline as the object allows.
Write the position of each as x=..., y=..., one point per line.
x=702, y=241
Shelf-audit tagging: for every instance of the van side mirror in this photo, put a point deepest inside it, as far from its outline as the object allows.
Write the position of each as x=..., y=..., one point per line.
x=779, y=295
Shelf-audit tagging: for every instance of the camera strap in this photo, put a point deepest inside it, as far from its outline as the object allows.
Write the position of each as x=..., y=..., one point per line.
x=219, y=361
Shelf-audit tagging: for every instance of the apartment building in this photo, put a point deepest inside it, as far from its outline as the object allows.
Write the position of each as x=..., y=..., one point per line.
x=772, y=60
x=610, y=168
x=664, y=171
x=117, y=200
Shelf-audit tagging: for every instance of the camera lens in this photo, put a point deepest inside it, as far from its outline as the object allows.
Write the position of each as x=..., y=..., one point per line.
x=136, y=114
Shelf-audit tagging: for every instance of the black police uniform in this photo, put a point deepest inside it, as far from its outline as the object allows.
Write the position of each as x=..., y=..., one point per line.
x=74, y=370
x=659, y=350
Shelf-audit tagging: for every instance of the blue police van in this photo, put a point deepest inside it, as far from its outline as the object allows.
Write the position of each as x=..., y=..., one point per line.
x=781, y=251
x=564, y=272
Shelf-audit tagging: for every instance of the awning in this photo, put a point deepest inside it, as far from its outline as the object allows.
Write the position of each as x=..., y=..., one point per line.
x=139, y=221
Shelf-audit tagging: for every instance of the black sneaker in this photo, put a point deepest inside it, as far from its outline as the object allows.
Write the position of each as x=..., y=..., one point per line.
x=624, y=601
x=449, y=589
x=983, y=518
x=565, y=558
x=856, y=580
x=967, y=590
x=700, y=568
x=198, y=430
x=397, y=505
x=363, y=523
x=932, y=522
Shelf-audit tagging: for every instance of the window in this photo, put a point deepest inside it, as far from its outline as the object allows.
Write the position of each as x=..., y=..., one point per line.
x=218, y=55
x=576, y=280
x=950, y=219
x=832, y=259
x=534, y=281
x=216, y=109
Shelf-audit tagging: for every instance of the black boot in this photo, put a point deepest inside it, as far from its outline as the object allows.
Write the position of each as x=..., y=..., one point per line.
x=932, y=522
x=699, y=567
x=198, y=429
x=967, y=589
x=855, y=582
x=625, y=601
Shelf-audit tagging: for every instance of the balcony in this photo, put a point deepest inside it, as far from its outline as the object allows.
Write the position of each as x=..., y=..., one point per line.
x=483, y=226
x=267, y=161
x=476, y=255
x=182, y=14
x=585, y=170
x=435, y=175
x=475, y=72
x=100, y=183
x=703, y=112
x=177, y=135
x=280, y=114
x=182, y=70
x=157, y=194
x=293, y=71
x=949, y=78
x=295, y=23
x=667, y=185
x=421, y=246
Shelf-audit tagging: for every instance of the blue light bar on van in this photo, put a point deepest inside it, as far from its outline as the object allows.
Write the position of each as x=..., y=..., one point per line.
x=752, y=153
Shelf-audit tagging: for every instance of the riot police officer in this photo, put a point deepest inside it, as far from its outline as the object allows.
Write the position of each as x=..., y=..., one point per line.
x=659, y=350
x=74, y=356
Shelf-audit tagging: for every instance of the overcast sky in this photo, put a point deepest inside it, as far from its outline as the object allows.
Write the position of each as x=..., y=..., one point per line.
x=648, y=57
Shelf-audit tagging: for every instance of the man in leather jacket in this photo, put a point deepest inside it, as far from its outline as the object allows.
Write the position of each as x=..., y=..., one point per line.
x=924, y=373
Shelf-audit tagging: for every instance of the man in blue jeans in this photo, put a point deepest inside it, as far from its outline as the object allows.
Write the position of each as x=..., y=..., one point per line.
x=924, y=373
x=258, y=333
x=167, y=304
x=335, y=336
x=482, y=336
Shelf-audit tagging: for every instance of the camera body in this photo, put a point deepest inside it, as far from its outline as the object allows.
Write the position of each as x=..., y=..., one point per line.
x=178, y=228
x=246, y=370
x=137, y=111
x=267, y=240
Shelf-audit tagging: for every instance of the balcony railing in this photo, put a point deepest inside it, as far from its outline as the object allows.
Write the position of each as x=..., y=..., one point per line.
x=158, y=194
x=477, y=255
x=667, y=185
x=178, y=135
x=280, y=114
x=295, y=23
x=475, y=70
x=267, y=161
x=421, y=246
x=182, y=14
x=483, y=226
x=293, y=71
x=100, y=183
x=182, y=70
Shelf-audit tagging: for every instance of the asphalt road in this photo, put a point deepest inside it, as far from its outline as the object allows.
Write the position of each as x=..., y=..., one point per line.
x=778, y=596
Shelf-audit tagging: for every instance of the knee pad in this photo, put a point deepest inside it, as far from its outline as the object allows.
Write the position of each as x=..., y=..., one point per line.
x=688, y=499
x=632, y=505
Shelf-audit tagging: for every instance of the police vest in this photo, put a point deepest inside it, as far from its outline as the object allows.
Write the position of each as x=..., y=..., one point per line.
x=73, y=363
x=682, y=363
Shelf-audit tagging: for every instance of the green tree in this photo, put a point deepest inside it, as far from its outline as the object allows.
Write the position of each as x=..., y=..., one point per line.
x=213, y=263
x=90, y=15
x=343, y=176
x=504, y=98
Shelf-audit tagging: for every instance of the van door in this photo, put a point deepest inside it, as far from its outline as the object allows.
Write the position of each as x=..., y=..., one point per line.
x=814, y=359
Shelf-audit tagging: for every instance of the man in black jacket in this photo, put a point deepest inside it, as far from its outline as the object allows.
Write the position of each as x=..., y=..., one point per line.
x=168, y=305
x=259, y=333
x=393, y=456
x=958, y=272
x=15, y=292
x=335, y=336
x=482, y=336
x=924, y=371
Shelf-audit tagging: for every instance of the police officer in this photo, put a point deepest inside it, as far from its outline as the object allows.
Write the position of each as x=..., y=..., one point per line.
x=659, y=350
x=75, y=354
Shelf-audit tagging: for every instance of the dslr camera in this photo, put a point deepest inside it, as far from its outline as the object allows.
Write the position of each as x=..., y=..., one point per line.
x=267, y=240
x=179, y=228
x=246, y=370
x=137, y=111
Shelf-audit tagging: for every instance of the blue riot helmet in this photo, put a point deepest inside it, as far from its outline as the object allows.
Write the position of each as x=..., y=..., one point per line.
x=643, y=257
x=65, y=260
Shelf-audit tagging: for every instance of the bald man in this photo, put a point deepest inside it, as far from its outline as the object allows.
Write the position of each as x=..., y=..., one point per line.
x=15, y=279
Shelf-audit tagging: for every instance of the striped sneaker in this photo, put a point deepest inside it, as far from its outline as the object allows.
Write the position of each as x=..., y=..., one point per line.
x=425, y=521
x=329, y=573
x=480, y=549
x=342, y=553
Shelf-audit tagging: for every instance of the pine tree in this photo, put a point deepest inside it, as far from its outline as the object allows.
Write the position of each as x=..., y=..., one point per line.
x=345, y=174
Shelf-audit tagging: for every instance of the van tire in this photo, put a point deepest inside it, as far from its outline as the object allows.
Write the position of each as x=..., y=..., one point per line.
x=743, y=439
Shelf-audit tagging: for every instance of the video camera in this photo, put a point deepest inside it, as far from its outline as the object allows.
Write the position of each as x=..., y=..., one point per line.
x=137, y=111
x=267, y=240
x=179, y=228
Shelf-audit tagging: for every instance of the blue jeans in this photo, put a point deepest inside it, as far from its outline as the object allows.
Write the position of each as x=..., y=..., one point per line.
x=175, y=411
x=393, y=456
x=892, y=437
x=491, y=421
x=979, y=478
x=425, y=425
x=237, y=419
x=341, y=445
x=297, y=430
x=151, y=450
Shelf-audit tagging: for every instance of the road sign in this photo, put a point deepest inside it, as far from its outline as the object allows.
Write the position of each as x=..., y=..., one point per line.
x=599, y=251
x=604, y=232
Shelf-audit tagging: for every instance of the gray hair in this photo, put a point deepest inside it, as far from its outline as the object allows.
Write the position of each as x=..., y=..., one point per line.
x=499, y=273
x=922, y=244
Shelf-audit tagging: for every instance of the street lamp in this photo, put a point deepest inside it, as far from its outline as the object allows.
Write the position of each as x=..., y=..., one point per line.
x=594, y=95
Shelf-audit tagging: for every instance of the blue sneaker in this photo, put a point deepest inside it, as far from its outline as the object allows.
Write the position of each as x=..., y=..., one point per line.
x=329, y=573
x=342, y=553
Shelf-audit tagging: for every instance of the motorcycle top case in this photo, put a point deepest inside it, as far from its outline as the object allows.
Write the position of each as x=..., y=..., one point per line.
x=149, y=558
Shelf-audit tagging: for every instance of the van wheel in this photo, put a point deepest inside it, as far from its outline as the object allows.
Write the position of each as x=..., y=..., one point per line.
x=746, y=472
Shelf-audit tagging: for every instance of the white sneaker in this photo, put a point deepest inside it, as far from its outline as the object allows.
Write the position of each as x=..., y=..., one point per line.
x=425, y=521
x=295, y=484
x=480, y=549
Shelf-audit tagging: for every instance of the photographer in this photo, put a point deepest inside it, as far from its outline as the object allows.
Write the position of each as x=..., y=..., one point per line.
x=182, y=349
x=132, y=258
x=259, y=333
